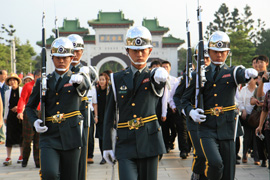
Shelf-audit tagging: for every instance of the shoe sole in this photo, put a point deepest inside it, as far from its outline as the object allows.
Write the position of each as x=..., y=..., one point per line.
x=7, y=163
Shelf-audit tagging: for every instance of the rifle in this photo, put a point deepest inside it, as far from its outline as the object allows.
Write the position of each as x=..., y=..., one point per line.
x=43, y=84
x=200, y=71
x=189, y=69
x=56, y=28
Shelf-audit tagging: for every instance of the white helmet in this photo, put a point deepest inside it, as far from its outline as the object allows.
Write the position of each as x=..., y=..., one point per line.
x=62, y=47
x=219, y=41
x=77, y=41
x=138, y=37
x=205, y=50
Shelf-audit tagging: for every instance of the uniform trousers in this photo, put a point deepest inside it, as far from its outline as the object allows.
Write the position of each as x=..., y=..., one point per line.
x=91, y=139
x=138, y=169
x=198, y=164
x=59, y=164
x=220, y=158
x=29, y=135
x=83, y=156
x=181, y=128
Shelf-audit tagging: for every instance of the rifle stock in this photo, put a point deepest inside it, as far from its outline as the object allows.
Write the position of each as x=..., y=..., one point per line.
x=43, y=84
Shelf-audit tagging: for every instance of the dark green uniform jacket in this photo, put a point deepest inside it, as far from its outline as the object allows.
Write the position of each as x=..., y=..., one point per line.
x=220, y=92
x=139, y=101
x=67, y=134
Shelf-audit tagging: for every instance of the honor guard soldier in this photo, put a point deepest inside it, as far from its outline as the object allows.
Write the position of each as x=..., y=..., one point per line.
x=75, y=67
x=134, y=92
x=216, y=122
x=61, y=136
x=198, y=164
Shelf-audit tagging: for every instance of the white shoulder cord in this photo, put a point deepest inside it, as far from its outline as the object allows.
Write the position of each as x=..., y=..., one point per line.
x=234, y=75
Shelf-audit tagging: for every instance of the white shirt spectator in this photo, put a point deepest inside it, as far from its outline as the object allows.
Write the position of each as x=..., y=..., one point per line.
x=172, y=92
x=244, y=99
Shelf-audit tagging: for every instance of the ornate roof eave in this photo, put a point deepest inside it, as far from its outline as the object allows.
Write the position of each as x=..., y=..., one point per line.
x=110, y=25
x=89, y=42
x=168, y=45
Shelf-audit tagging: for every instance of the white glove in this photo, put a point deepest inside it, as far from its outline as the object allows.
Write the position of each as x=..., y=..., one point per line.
x=161, y=75
x=108, y=155
x=251, y=73
x=76, y=79
x=40, y=129
x=84, y=69
x=197, y=115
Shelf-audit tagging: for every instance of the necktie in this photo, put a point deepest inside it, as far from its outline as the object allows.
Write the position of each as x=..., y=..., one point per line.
x=73, y=69
x=58, y=82
x=135, y=78
x=216, y=73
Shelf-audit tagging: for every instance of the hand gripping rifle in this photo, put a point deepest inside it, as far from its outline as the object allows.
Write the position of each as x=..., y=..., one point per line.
x=189, y=69
x=43, y=84
x=200, y=71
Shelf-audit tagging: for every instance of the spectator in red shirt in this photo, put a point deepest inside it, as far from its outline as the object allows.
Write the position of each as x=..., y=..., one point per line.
x=28, y=132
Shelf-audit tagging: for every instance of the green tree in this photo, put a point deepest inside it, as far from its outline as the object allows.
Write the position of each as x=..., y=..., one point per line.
x=221, y=21
x=264, y=45
x=4, y=57
x=241, y=47
x=24, y=54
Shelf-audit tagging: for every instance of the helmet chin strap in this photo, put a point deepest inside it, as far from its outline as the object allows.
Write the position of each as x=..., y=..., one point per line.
x=138, y=63
x=75, y=61
x=61, y=69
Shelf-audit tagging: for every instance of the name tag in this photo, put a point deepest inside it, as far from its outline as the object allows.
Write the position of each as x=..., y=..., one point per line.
x=145, y=80
x=67, y=85
x=226, y=75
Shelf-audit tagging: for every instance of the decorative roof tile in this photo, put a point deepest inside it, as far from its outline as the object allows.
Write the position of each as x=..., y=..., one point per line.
x=110, y=19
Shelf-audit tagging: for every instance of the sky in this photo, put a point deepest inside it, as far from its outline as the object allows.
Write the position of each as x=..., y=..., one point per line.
x=26, y=15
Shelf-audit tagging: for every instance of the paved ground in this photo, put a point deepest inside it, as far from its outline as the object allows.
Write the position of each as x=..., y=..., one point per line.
x=171, y=167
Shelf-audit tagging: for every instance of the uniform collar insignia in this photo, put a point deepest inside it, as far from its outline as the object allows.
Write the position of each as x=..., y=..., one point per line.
x=123, y=88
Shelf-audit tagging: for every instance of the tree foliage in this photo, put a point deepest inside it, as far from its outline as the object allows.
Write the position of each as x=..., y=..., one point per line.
x=244, y=34
x=264, y=46
x=24, y=52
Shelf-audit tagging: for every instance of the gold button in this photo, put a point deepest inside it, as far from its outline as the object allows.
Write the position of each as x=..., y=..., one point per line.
x=133, y=104
x=159, y=128
x=86, y=106
x=235, y=118
x=58, y=112
x=134, y=115
x=79, y=123
x=214, y=85
x=216, y=104
x=122, y=96
x=57, y=103
x=215, y=95
x=145, y=88
x=227, y=82
x=69, y=91
x=56, y=94
x=73, y=72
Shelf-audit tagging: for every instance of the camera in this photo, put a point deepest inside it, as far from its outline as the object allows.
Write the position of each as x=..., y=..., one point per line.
x=261, y=136
x=264, y=80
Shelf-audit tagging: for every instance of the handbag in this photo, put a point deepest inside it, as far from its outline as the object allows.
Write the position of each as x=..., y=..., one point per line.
x=254, y=118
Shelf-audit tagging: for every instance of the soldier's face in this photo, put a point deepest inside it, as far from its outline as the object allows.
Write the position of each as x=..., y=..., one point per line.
x=62, y=63
x=139, y=56
x=218, y=56
x=207, y=61
x=78, y=54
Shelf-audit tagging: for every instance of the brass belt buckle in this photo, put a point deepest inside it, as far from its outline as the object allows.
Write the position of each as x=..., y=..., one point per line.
x=135, y=123
x=58, y=118
x=216, y=111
